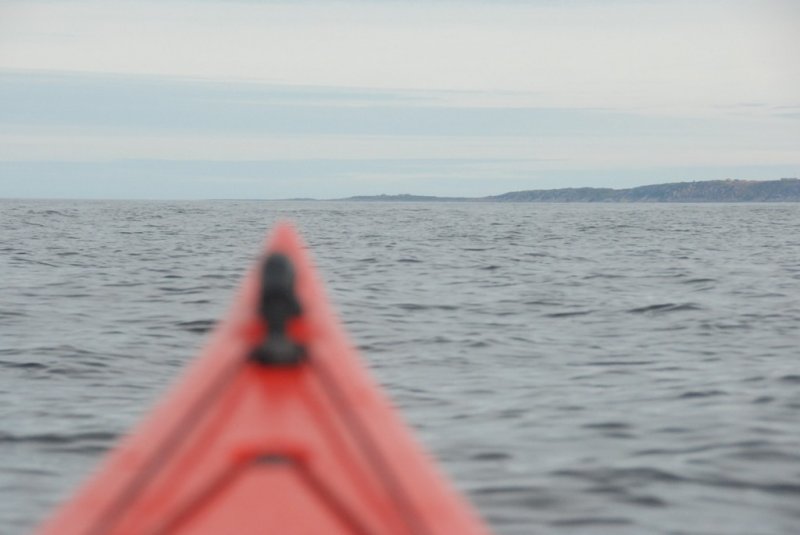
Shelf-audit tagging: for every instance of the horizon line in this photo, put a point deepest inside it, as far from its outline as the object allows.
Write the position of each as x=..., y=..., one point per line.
x=485, y=198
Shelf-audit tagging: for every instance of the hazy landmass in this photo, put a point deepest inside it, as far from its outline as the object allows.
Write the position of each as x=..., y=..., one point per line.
x=783, y=190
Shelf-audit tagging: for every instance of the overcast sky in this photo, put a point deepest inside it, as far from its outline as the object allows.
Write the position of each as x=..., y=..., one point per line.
x=258, y=99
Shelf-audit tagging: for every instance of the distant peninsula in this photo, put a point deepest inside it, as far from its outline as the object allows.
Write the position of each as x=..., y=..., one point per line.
x=783, y=190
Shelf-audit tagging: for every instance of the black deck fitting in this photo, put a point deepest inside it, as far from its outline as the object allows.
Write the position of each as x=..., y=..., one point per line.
x=277, y=305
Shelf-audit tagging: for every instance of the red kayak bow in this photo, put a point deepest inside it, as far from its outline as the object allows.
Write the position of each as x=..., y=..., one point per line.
x=276, y=428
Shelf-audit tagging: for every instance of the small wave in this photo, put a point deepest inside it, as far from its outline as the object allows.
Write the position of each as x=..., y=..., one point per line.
x=675, y=451
x=665, y=307
x=674, y=429
x=57, y=438
x=619, y=363
x=18, y=258
x=49, y=213
x=691, y=394
x=23, y=365
x=791, y=378
x=591, y=521
x=218, y=276
x=12, y=314
x=503, y=489
x=491, y=456
x=611, y=426
x=412, y=306
x=542, y=302
x=29, y=471
x=568, y=314
x=524, y=496
x=197, y=326
x=770, y=488
x=724, y=326
x=623, y=475
x=67, y=350
x=765, y=454
x=417, y=306
x=88, y=450
x=631, y=477
x=190, y=290
x=645, y=500
x=603, y=276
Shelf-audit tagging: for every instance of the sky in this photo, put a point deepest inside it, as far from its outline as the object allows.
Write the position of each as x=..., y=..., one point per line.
x=194, y=99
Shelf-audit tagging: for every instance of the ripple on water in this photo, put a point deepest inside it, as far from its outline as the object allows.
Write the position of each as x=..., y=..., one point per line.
x=663, y=308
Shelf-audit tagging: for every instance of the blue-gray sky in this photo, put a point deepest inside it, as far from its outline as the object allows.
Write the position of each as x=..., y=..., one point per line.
x=256, y=99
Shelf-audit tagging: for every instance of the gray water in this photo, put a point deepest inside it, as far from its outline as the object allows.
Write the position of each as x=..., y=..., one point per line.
x=576, y=368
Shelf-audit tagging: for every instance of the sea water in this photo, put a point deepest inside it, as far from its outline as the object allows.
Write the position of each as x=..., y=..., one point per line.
x=576, y=368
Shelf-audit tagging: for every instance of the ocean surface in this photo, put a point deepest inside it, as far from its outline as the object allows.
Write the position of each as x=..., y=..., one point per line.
x=577, y=368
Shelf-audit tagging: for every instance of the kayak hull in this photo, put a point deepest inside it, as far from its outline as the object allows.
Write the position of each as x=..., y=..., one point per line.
x=241, y=447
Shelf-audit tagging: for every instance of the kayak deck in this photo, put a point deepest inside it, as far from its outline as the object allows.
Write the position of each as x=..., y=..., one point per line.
x=251, y=444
